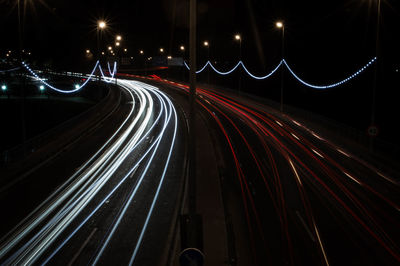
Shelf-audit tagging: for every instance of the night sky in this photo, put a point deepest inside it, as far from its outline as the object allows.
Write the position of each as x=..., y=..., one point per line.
x=322, y=33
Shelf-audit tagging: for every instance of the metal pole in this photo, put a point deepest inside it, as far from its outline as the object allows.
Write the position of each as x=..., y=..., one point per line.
x=192, y=102
x=375, y=81
x=240, y=58
x=191, y=227
x=282, y=68
x=20, y=32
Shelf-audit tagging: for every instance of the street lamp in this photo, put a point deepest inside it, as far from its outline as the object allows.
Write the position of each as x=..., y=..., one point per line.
x=141, y=52
x=101, y=25
x=4, y=87
x=161, y=50
x=281, y=26
x=207, y=45
x=239, y=38
x=118, y=38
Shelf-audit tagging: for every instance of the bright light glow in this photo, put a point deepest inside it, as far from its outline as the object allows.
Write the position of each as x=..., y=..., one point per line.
x=125, y=50
x=279, y=24
x=41, y=87
x=238, y=37
x=141, y=52
x=118, y=38
x=182, y=48
x=77, y=86
x=109, y=48
x=88, y=51
x=3, y=87
x=206, y=44
x=102, y=24
x=117, y=44
x=102, y=53
x=161, y=50
x=169, y=57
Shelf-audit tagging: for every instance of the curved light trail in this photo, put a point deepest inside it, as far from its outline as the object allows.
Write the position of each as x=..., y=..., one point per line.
x=290, y=180
x=65, y=212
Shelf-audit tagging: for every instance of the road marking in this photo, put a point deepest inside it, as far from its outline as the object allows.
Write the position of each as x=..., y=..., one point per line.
x=342, y=152
x=297, y=123
x=278, y=123
x=317, y=153
x=352, y=178
x=305, y=226
x=295, y=136
x=387, y=178
x=82, y=247
x=315, y=135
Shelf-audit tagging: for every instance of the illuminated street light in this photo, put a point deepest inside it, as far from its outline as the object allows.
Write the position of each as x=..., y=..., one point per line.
x=102, y=53
x=109, y=48
x=118, y=38
x=117, y=44
x=239, y=38
x=4, y=87
x=125, y=50
x=182, y=48
x=206, y=44
x=161, y=50
x=280, y=25
x=77, y=86
x=41, y=87
x=102, y=24
x=141, y=52
x=87, y=51
x=169, y=57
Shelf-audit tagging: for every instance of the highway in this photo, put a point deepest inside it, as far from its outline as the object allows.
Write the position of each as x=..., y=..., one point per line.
x=305, y=201
x=107, y=206
x=295, y=198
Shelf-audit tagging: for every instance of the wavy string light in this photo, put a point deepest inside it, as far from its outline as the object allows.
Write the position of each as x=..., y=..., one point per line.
x=77, y=87
x=283, y=62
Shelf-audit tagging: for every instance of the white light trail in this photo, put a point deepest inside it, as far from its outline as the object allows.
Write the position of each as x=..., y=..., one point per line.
x=67, y=203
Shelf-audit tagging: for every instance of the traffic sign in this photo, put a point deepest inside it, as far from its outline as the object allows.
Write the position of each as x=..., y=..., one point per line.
x=373, y=131
x=191, y=257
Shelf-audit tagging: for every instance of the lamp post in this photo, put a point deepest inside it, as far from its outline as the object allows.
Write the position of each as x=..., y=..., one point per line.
x=207, y=45
x=375, y=82
x=101, y=25
x=281, y=26
x=182, y=48
x=239, y=39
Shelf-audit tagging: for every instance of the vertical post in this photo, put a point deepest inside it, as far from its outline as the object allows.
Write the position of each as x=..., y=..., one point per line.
x=192, y=102
x=282, y=69
x=240, y=59
x=20, y=33
x=191, y=223
x=208, y=59
x=376, y=73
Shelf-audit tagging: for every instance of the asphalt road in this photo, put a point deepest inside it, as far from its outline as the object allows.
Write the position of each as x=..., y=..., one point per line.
x=304, y=200
x=118, y=207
